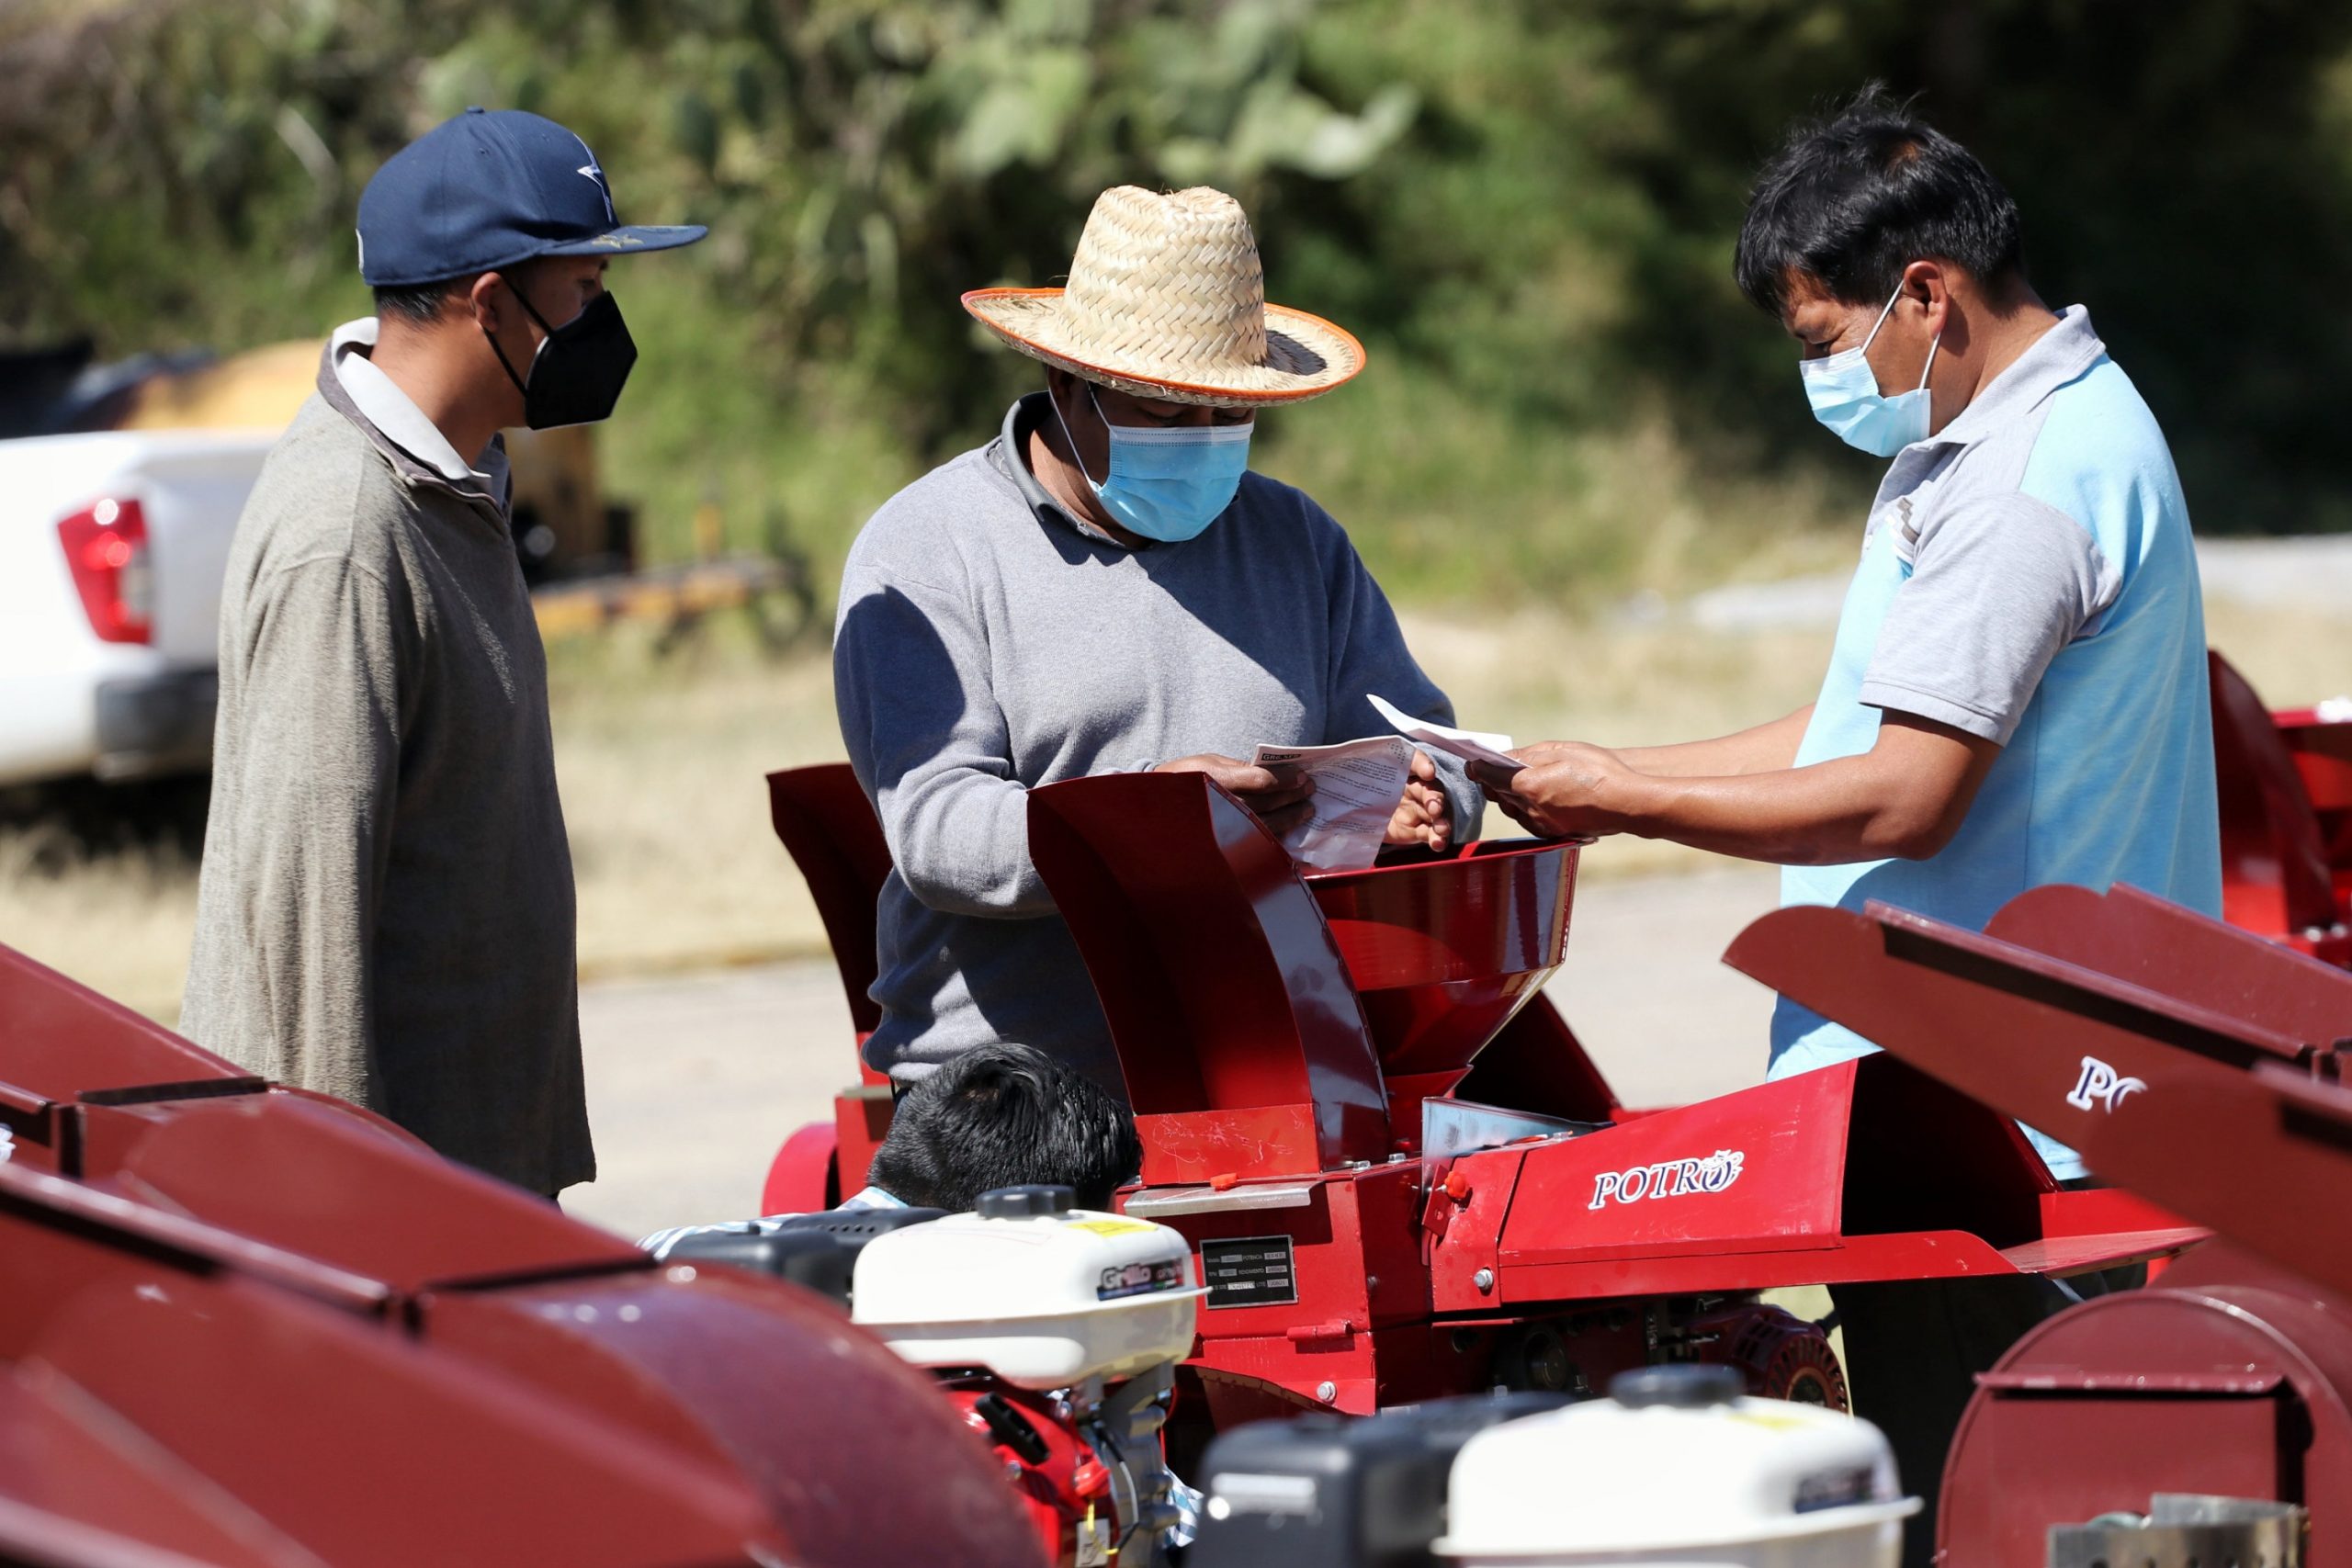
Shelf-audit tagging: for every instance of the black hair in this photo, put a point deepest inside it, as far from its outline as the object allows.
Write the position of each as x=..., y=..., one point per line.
x=418, y=303
x=1005, y=1116
x=1853, y=199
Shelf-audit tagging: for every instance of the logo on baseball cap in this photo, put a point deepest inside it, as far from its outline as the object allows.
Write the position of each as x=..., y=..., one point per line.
x=487, y=189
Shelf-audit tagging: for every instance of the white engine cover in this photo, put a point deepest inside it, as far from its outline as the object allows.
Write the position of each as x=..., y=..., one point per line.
x=1042, y=1301
x=1756, y=1483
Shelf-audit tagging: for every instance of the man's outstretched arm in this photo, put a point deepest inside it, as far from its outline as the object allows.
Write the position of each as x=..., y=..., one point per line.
x=1903, y=798
x=1760, y=748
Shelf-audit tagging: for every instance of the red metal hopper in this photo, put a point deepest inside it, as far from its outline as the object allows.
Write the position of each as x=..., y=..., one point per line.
x=1273, y=1023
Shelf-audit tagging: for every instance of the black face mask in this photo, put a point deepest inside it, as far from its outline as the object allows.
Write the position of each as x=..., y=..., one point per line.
x=577, y=374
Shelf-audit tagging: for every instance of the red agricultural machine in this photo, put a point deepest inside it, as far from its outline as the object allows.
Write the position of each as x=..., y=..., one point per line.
x=1402, y=1177
x=2202, y=1422
x=246, y=1326
x=242, y=1325
x=2191, y=1062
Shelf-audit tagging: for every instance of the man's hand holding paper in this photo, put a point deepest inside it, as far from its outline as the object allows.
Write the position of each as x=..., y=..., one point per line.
x=1280, y=797
x=1557, y=789
x=1367, y=794
x=1424, y=817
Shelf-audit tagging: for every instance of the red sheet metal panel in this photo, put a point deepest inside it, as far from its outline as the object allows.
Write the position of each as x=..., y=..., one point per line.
x=2276, y=878
x=2063, y=1255
x=51, y=1207
x=308, y=1179
x=65, y=1040
x=2193, y=1110
x=368, y=1451
x=1910, y=1255
x=861, y=1121
x=1757, y=1171
x=2233, y=1389
x=1221, y=983
x=2101, y=1209
x=1537, y=1063
x=71, y=1492
x=828, y=825
x=1445, y=952
x=2161, y=947
x=1472, y=1198
x=1212, y=1145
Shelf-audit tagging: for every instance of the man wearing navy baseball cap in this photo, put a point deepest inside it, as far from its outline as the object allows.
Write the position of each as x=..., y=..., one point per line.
x=386, y=910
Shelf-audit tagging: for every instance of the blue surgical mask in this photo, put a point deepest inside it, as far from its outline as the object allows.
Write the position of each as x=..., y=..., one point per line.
x=1171, y=484
x=1845, y=396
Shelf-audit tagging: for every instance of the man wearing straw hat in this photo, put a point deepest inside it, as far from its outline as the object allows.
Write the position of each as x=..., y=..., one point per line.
x=1104, y=587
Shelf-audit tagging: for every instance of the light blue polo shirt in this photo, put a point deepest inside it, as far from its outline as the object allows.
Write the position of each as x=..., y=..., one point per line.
x=2028, y=576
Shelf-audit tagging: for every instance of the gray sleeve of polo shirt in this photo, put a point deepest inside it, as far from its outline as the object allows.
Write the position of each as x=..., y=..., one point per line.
x=1999, y=583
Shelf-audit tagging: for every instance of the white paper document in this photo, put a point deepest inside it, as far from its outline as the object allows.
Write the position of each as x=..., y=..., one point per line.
x=1357, y=786
x=1470, y=745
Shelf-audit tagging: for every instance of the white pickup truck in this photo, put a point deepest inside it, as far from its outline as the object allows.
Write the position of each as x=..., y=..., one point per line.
x=113, y=542
x=112, y=547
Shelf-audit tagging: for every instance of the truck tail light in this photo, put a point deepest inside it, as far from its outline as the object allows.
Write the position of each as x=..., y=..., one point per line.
x=106, y=548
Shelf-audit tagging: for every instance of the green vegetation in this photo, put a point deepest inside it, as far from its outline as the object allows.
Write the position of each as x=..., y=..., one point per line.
x=1525, y=208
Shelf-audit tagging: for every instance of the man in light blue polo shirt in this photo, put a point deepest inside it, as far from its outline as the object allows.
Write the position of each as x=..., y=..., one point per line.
x=2018, y=693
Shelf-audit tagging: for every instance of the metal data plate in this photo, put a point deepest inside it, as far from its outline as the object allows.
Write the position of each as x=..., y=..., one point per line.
x=1459, y=1126
x=2182, y=1529
x=1249, y=1270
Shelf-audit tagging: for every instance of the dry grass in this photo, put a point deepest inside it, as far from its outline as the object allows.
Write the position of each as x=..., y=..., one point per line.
x=662, y=763
x=661, y=758
x=117, y=918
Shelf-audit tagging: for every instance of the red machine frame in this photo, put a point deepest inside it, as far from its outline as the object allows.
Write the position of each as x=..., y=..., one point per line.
x=259, y=1329
x=1303, y=1052
x=2195, y=1063
x=2285, y=786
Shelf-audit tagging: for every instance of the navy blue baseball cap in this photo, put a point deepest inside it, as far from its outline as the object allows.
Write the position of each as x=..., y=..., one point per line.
x=487, y=189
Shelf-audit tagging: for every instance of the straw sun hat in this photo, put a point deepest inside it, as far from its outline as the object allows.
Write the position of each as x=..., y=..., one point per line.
x=1167, y=301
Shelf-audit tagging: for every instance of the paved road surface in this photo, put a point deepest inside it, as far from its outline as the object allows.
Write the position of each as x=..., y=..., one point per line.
x=693, y=1082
